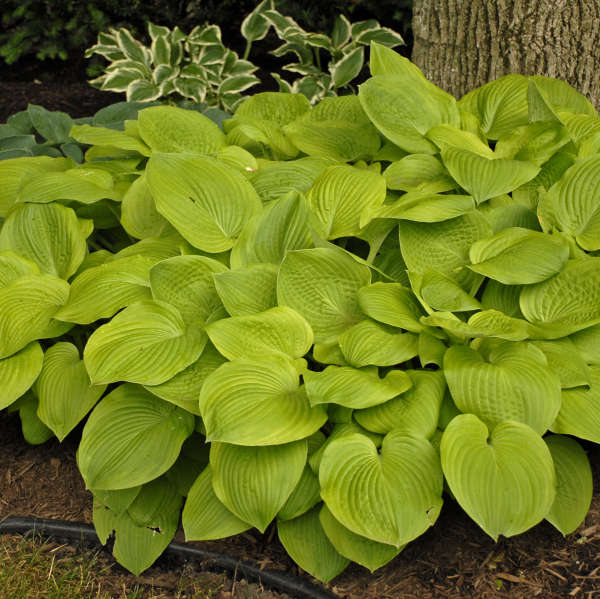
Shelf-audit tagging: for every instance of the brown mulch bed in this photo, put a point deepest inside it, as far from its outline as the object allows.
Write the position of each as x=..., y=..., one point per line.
x=453, y=560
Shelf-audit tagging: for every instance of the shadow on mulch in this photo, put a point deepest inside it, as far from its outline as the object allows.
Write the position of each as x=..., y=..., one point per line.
x=453, y=560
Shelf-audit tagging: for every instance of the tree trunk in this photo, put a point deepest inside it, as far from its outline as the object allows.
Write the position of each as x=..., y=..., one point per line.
x=462, y=44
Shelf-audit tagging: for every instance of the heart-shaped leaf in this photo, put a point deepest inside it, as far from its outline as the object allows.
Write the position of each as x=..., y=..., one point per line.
x=505, y=480
x=18, y=373
x=390, y=497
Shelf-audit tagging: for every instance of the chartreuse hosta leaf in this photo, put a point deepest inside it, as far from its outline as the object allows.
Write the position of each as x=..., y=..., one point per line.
x=574, y=483
x=102, y=136
x=573, y=202
x=50, y=235
x=13, y=267
x=486, y=178
x=566, y=361
x=283, y=225
x=255, y=482
x=131, y=437
x=14, y=171
x=431, y=350
x=336, y=128
x=100, y=291
x=580, y=410
x=171, y=129
x=343, y=198
x=204, y=517
x=512, y=382
x=418, y=172
x=444, y=246
x=186, y=282
x=306, y=494
x=416, y=411
x=517, y=256
x=147, y=343
x=560, y=96
x=35, y=432
x=447, y=136
x=248, y=289
x=27, y=309
x=426, y=207
x=405, y=105
x=441, y=292
x=307, y=544
x=117, y=501
x=279, y=330
x=81, y=184
x=321, y=284
x=354, y=388
x=206, y=201
x=18, y=372
x=184, y=388
x=258, y=402
x=505, y=480
x=143, y=531
x=275, y=179
x=370, y=343
x=587, y=343
x=139, y=216
x=391, y=496
x=393, y=304
x=569, y=300
x=500, y=105
x=359, y=549
x=64, y=389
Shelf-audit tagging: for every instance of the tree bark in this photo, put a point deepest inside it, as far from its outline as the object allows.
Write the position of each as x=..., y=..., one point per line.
x=462, y=44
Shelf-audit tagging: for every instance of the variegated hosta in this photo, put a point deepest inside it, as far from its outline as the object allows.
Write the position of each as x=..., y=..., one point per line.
x=312, y=318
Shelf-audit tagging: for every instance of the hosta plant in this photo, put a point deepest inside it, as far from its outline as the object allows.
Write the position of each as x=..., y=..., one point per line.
x=201, y=68
x=326, y=320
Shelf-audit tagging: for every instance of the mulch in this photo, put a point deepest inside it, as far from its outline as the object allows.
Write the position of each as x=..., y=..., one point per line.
x=453, y=560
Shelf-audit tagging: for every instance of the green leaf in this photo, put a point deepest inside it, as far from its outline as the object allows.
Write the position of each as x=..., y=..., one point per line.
x=370, y=493
x=18, y=373
x=444, y=246
x=560, y=96
x=103, y=136
x=574, y=484
x=249, y=289
x=186, y=283
x=184, y=388
x=50, y=235
x=53, y=126
x=517, y=256
x=255, y=26
x=204, y=517
x=64, y=389
x=446, y=136
x=258, y=402
x=416, y=411
x=486, y=178
x=565, y=360
x=306, y=494
x=147, y=343
x=27, y=309
x=279, y=330
x=171, y=129
x=443, y=293
x=321, y=285
x=505, y=480
x=511, y=382
x=370, y=343
x=404, y=106
x=570, y=299
x=393, y=304
x=206, y=201
x=131, y=438
x=342, y=199
x=282, y=225
x=573, y=202
x=353, y=388
x=367, y=553
x=35, y=432
x=347, y=68
x=140, y=90
x=273, y=106
x=580, y=410
x=421, y=172
x=255, y=482
x=307, y=544
x=587, y=343
x=500, y=105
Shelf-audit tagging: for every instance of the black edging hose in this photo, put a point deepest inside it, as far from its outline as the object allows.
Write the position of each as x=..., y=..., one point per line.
x=295, y=587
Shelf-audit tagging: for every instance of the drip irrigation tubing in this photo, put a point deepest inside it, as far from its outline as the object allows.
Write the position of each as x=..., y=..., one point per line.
x=78, y=532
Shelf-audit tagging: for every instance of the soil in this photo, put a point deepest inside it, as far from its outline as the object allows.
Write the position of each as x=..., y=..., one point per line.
x=453, y=560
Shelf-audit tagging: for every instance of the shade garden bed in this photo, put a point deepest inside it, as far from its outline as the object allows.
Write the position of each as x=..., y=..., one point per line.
x=321, y=324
